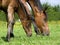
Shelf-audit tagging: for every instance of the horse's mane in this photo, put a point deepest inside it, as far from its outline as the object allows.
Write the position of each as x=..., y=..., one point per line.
x=22, y=6
x=38, y=4
x=24, y=10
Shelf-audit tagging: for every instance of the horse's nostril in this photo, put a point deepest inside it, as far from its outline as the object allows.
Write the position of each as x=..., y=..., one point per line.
x=29, y=34
x=45, y=34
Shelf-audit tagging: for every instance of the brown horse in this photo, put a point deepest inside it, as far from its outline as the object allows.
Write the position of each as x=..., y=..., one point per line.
x=39, y=14
x=10, y=7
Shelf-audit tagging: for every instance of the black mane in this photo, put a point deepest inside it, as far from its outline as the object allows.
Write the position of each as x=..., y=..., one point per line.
x=38, y=4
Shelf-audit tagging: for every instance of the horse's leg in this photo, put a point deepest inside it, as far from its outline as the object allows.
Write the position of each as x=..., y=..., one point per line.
x=26, y=23
x=11, y=33
x=24, y=4
x=10, y=22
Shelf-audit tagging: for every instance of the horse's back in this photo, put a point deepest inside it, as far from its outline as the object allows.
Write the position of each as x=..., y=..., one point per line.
x=6, y=3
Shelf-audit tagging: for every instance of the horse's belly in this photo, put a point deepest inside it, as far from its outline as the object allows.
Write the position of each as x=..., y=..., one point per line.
x=5, y=3
x=0, y=3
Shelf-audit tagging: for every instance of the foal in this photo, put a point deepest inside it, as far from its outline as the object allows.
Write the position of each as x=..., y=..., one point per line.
x=39, y=14
x=10, y=7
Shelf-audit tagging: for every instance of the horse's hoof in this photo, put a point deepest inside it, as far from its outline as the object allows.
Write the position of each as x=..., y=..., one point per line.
x=11, y=35
x=7, y=39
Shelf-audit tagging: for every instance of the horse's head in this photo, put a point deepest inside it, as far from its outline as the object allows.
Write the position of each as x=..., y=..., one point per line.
x=41, y=21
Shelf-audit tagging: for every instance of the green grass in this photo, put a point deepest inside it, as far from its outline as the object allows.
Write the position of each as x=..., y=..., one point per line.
x=21, y=38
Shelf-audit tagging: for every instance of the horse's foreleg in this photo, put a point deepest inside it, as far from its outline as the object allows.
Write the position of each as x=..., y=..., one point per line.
x=10, y=22
x=11, y=33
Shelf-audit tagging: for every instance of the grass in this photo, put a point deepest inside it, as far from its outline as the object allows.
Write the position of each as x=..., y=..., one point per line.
x=21, y=38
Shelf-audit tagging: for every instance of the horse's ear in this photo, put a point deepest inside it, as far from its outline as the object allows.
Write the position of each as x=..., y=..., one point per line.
x=45, y=9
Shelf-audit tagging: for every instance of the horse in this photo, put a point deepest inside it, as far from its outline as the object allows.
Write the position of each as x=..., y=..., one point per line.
x=10, y=7
x=39, y=15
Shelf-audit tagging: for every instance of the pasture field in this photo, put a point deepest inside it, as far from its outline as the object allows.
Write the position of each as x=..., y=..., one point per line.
x=21, y=38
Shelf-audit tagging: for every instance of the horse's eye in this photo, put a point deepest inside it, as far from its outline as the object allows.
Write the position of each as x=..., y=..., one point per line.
x=45, y=19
